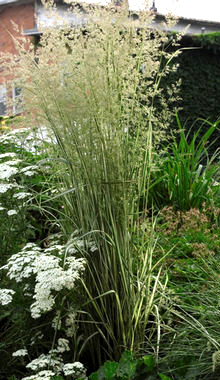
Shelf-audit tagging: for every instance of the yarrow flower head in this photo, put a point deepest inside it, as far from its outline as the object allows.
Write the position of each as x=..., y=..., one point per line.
x=74, y=369
x=21, y=352
x=42, y=375
x=21, y=195
x=8, y=154
x=50, y=273
x=6, y=296
x=8, y=169
x=43, y=361
x=63, y=345
x=29, y=170
x=4, y=187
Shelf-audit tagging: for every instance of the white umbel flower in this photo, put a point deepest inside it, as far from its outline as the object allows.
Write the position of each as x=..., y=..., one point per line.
x=4, y=187
x=63, y=345
x=42, y=375
x=8, y=154
x=21, y=352
x=8, y=169
x=21, y=195
x=6, y=296
x=75, y=369
x=51, y=275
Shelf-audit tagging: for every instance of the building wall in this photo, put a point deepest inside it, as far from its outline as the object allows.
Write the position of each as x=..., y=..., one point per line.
x=23, y=16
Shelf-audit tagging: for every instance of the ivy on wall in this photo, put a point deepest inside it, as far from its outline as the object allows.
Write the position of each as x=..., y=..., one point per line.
x=210, y=41
x=199, y=71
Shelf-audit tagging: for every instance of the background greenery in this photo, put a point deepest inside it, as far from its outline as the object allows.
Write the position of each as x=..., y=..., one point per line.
x=199, y=72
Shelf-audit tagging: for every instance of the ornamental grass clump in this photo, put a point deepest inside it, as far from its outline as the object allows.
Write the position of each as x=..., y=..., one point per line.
x=94, y=87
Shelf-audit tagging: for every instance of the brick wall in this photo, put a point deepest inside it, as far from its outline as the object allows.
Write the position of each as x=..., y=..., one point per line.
x=23, y=16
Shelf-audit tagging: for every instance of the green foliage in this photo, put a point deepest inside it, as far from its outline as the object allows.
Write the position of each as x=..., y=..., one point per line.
x=189, y=236
x=21, y=178
x=129, y=368
x=210, y=41
x=185, y=176
x=61, y=378
x=199, y=72
x=191, y=315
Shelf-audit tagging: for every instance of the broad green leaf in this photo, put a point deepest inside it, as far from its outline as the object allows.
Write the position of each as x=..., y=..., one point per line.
x=127, y=365
x=110, y=369
x=149, y=361
x=94, y=376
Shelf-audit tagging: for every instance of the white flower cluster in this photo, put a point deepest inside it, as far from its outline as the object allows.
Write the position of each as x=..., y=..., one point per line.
x=43, y=361
x=21, y=195
x=12, y=167
x=21, y=265
x=51, y=275
x=56, y=322
x=22, y=352
x=42, y=375
x=15, y=136
x=74, y=369
x=8, y=169
x=63, y=345
x=28, y=139
x=29, y=170
x=54, y=361
x=4, y=187
x=6, y=296
x=8, y=154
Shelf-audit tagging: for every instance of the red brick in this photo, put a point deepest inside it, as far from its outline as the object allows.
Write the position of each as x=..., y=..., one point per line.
x=23, y=16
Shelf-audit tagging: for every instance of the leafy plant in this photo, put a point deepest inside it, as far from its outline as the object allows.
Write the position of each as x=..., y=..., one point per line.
x=186, y=175
x=190, y=316
x=129, y=368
